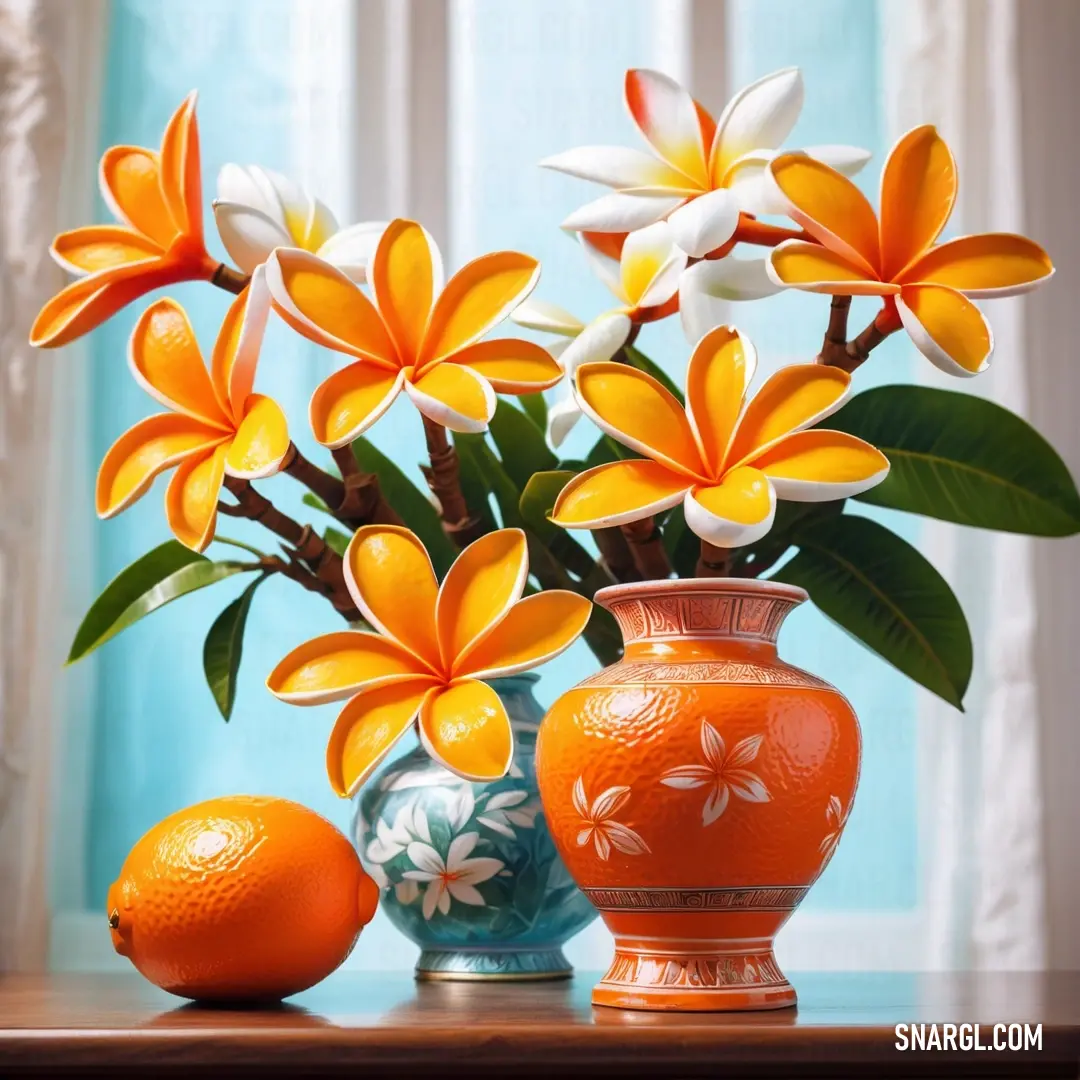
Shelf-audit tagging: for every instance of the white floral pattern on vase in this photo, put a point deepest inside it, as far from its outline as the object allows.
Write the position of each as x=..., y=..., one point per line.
x=835, y=820
x=724, y=773
x=452, y=878
x=599, y=826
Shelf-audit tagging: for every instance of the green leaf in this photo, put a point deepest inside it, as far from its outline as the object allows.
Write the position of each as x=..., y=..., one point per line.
x=336, y=540
x=682, y=546
x=883, y=591
x=520, y=443
x=474, y=486
x=963, y=459
x=496, y=478
x=314, y=501
x=605, y=450
x=224, y=646
x=640, y=361
x=161, y=575
x=409, y=501
x=536, y=408
x=535, y=505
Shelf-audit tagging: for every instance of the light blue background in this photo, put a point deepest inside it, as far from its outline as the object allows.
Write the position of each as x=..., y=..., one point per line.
x=547, y=76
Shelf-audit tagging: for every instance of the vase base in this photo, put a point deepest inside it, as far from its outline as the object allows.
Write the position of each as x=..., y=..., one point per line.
x=720, y=979
x=486, y=965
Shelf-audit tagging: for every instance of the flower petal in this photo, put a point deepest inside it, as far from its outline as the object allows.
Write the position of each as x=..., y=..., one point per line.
x=707, y=287
x=86, y=303
x=99, y=247
x=989, y=264
x=617, y=167
x=609, y=801
x=510, y=365
x=830, y=207
x=465, y=893
x=181, y=174
x=744, y=751
x=581, y=803
x=352, y=249
x=464, y=727
x=667, y=116
x=261, y=441
x=249, y=235
x=336, y=666
x=479, y=869
x=318, y=301
x=716, y=803
x=820, y=465
x=632, y=407
x=562, y=417
x=239, y=342
x=712, y=746
x=623, y=211
x=145, y=450
x=625, y=839
x=759, y=117
x=650, y=266
x=478, y=297
x=347, y=403
x=536, y=314
x=250, y=185
x=918, y=189
x=813, y=268
x=705, y=223
x=389, y=576
x=599, y=341
x=604, y=261
x=403, y=280
x=191, y=499
x=721, y=368
x=130, y=181
x=793, y=398
x=947, y=328
x=460, y=849
x=618, y=493
x=454, y=396
x=747, y=785
x=534, y=631
x=848, y=160
x=165, y=359
x=737, y=511
x=366, y=731
x=484, y=583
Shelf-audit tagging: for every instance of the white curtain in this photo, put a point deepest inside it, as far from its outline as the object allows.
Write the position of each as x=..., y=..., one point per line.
x=47, y=47
x=955, y=63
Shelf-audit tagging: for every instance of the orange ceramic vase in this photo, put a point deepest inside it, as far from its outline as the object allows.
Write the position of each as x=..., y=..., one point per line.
x=696, y=789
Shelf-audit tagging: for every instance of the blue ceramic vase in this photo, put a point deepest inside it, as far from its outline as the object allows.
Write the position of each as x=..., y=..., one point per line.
x=468, y=871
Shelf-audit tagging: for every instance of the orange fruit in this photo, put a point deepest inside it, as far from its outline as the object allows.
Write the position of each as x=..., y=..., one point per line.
x=243, y=897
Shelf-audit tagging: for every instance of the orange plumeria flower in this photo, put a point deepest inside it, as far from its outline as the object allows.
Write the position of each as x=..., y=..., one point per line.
x=926, y=286
x=215, y=425
x=726, y=457
x=418, y=336
x=156, y=197
x=432, y=647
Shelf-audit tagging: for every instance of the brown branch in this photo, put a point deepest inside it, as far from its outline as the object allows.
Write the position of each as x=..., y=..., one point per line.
x=225, y=277
x=616, y=555
x=444, y=478
x=363, y=502
x=328, y=487
x=714, y=561
x=646, y=545
x=308, y=548
x=837, y=351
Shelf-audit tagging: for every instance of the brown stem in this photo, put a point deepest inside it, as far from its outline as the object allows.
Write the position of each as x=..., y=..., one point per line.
x=308, y=548
x=225, y=277
x=837, y=351
x=363, y=502
x=647, y=549
x=616, y=554
x=444, y=478
x=714, y=561
x=329, y=488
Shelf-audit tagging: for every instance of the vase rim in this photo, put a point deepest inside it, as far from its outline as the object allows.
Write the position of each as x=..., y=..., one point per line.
x=640, y=590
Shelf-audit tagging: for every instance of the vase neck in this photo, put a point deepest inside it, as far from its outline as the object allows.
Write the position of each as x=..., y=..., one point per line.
x=700, y=618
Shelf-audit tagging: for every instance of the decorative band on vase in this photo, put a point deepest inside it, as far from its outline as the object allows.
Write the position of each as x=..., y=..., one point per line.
x=494, y=964
x=723, y=672
x=642, y=971
x=763, y=898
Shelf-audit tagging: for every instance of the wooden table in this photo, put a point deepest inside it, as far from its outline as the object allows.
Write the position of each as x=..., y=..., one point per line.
x=362, y=1025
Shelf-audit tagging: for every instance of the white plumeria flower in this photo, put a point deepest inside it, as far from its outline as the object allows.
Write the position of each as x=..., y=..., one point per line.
x=597, y=825
x=643, y=279
x=460, y=808
x=258, y=210
x=410, y=823
x=455, y=878
x=724, y=774
x=699, y=173
x=505, y=810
